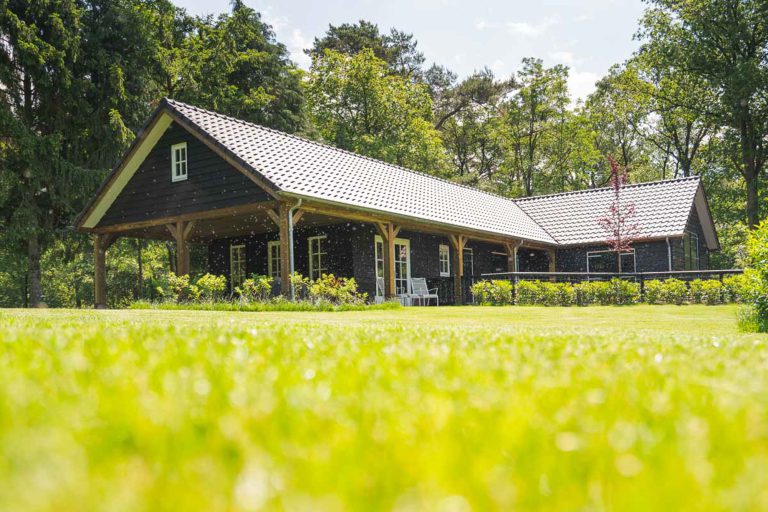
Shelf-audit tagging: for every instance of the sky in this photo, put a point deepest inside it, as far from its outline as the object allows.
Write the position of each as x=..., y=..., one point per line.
x=588, y=36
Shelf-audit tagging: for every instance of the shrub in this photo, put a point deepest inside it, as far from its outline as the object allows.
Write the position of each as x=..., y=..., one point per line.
x=335, y=290
x=527, y=292
x=711, y=292
x=674, y=291
x=736, y=288
x=696, y=291
x=181, y=288
x=555, y=294
x=211, y=287
x=654, y=292
x=493, y=293
x=625, y=292
x=256, y=288
x=755, y=293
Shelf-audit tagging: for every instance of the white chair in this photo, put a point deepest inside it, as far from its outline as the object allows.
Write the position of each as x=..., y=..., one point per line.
x=420, y=291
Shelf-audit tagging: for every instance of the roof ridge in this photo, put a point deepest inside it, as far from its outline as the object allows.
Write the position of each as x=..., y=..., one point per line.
x=346, y=151
x=591, y=190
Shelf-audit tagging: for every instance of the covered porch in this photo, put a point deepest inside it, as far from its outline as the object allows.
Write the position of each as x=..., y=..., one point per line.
x=282, y=236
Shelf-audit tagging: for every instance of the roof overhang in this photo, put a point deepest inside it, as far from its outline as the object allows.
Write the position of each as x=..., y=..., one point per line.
x=705, y=218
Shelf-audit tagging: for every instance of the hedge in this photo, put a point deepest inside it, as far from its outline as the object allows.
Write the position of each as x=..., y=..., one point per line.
x=613, y=292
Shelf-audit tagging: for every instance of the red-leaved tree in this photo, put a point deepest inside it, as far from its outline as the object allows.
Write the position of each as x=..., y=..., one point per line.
x=619, y=222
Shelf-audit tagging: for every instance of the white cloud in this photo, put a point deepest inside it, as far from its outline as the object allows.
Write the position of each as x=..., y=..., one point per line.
x=530, y=29
x=299, y=43
x=581, y=83
x=563, y=57
x=583, y=17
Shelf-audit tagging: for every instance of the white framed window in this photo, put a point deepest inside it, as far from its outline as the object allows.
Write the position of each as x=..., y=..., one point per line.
x=469, y=262
x=605, y=261
x=237, y=264
x=445, y=261
x=317, y=263
x=179, y=162
x=691, y=250
x=274, y=268
x=402, y=259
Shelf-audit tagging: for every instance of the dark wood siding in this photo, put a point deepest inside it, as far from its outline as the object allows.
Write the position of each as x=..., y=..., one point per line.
x=650, y=256
x=211, y=183
x=351, y=253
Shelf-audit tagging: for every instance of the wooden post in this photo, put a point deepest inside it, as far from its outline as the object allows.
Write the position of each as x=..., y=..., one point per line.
x=511, y=257
x=388, y=233
x=458, y=242
x=284, y=223
x=180, y=232
x=552, y=266
x=100, y=245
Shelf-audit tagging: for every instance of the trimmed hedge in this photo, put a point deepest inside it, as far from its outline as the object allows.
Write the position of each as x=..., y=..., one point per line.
x=613, y=292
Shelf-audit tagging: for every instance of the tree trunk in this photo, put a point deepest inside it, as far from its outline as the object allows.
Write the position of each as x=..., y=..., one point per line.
x=753, y=211
x=749, y=159
x=35, y=281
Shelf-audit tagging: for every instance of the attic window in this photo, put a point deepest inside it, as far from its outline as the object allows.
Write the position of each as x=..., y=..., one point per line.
x=179, y=162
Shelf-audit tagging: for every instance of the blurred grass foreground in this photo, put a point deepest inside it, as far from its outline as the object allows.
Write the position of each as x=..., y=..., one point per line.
x=444, y=409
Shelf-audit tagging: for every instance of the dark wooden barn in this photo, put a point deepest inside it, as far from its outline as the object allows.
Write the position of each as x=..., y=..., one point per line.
x=270, y=203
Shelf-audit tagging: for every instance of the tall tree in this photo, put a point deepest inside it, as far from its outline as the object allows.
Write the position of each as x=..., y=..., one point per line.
x=398, y=49
x=357, y=105
x=238, y=68
x=725, y=44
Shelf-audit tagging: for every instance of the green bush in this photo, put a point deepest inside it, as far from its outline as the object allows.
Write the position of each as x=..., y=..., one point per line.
x=527, y=292
x=331, y=289
x=654, y=292
x=211, y=287
x=624, y=292
x=712, y=292
x=493, y=293
x=256, y=288
x=674, y=291
x=755, y=293
x=696, y=291
x=736, y=288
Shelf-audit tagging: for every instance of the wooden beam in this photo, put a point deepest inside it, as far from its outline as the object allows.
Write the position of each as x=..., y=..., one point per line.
x=100, y=245
x=458, y=242
x=180, y=233
x=297, y=216
x=284, y=225
x=388, y=233
x=275, y=216
x=552, y=262
x=511, y=250
x=204, y=215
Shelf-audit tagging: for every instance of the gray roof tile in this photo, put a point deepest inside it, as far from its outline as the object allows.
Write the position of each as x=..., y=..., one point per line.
x=313, y=170
x=662, y=209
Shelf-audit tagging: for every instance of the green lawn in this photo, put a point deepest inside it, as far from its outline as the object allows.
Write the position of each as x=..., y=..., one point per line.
x=451, y=409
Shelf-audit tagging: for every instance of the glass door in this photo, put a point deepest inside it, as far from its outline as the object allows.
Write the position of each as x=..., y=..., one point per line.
x=402, y=259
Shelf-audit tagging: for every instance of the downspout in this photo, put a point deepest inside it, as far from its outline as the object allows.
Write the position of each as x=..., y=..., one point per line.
x=290, y=246
x=669, y=254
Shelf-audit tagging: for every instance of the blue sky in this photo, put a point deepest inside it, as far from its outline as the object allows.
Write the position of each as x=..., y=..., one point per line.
x=587, y=35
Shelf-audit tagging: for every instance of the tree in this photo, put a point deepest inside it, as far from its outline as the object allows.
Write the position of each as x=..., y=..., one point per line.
x=618, y=222
x=357, y=105
x=236, y=67
x=723, y=43
x=530, y=115
x=398, y=49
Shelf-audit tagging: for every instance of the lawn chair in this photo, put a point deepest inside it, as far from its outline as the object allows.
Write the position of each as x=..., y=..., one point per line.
x=420, y=291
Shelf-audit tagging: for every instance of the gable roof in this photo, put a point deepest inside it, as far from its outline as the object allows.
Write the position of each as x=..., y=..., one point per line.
x=290, y=166
x=308, y=169
x=662, y=209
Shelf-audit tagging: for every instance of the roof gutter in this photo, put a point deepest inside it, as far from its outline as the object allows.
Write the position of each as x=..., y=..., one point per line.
x=669, y=254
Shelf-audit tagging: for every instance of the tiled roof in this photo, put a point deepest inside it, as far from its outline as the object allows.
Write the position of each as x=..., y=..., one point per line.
x=312, y=170
x=662, y=209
